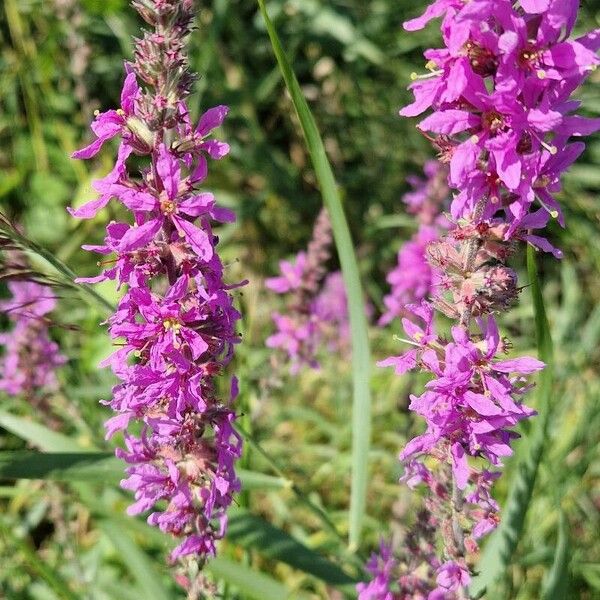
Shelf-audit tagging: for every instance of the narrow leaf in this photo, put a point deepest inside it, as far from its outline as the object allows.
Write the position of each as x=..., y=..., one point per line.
x=250, y=531
x=139, y=564
x=95, y=467
x=557, y=582
x=503, y=543
x=252, y=583
x=361, y=360
x=9, y=229
x=251, y=480
x=39, y=435
x=61, y=466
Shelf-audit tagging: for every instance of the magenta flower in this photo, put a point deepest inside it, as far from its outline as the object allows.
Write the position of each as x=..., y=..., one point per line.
x=31, y=359
x=317, y=313
x=112, y=123
x=176, y=324
x=502, y=118
x=413, y=279
x=291, y=275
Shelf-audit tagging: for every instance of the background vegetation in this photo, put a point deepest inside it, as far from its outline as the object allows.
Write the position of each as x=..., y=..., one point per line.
x=65, y=536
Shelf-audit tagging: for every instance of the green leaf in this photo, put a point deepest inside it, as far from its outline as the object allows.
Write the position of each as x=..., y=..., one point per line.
x=9, y=229
x=557, y=582
x=500, y=548
x=251, y=480
x=361, y=360
x=61, y=466
x=39, y=435
x=250, y=531
x=95, y=466
x=137, y=561
x=252, y=583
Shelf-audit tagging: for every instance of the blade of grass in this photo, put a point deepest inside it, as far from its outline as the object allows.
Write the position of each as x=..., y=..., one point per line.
x=557, y=582
x=251, y=531
x=503, y=543
x=361, y=360
x=137, y=561
x=61, y=466
x=8, y=229
x=40, y=436
x=93, y=466
x=252, y=583
x=302, y=497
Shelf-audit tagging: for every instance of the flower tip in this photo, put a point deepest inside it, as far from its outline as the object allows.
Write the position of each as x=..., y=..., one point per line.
x=414, y=76
x=554, y=214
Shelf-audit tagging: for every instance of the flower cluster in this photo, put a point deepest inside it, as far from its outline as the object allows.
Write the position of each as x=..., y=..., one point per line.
x=176, y=324
x=413, y=278
x=31, y=358
x=317, y=312
x=502, y=120
x=500, y=94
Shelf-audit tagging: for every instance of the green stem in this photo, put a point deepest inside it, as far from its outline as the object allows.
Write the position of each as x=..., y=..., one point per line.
x=361, y=358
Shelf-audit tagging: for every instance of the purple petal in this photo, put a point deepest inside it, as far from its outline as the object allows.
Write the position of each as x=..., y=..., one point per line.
x=168, y=171
x=425, y=93
x=90, y=150
x=223, y=215
x=198, y=239
x=211, y=119
x=460, y=466
x=89, y=209
x=437, y=9
x=137, y=237
x=129, y=92
x=197, y=205
x=535, y=7
x=215, y=148
x=449, y=122
x=524, y=365
x=482, y=404
x=402, y=363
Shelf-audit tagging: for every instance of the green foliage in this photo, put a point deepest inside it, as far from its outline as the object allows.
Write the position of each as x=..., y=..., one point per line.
x=361, y=359
x=63, y=532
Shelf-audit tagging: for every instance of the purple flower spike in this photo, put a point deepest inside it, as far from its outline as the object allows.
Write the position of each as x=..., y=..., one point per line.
x=317, y=315
x=28, y=366
x=500, y=114
x=176, y=324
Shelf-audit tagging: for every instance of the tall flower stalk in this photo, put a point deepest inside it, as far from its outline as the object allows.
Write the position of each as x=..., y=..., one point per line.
x=502, y=118
x=317, y=311
x=413, y=279
x=31, y=358
x=176, y=324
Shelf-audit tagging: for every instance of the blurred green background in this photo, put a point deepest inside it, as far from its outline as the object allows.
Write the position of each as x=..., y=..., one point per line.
x=62, y=59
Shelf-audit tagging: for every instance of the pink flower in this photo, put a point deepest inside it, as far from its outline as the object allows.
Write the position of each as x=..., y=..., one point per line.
x=176, y=324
